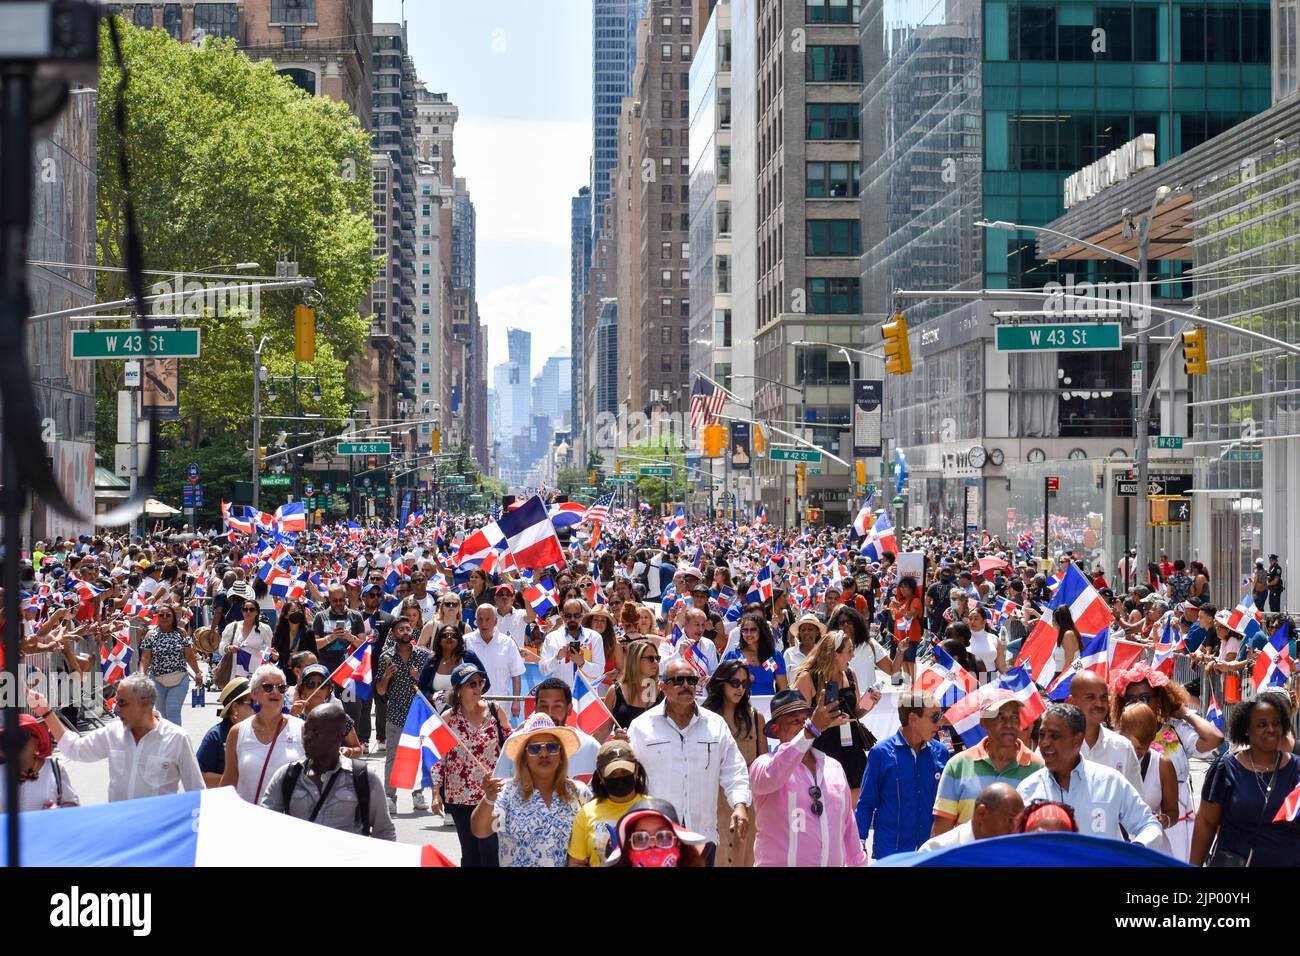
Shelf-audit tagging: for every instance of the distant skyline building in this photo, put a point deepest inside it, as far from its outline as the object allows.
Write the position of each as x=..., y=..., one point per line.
x=579, y=263
x=613, y=59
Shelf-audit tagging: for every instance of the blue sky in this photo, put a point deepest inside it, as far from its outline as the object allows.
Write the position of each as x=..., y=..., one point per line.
x=520, y=74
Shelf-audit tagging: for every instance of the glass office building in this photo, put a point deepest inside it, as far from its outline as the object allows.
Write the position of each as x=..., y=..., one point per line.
x=613, y=60
x=986, y=108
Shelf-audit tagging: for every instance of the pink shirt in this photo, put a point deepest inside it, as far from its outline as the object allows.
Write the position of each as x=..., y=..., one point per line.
x=787, y=832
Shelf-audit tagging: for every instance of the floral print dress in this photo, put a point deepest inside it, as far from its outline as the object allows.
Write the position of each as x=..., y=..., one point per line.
x=532, y=833
x=458, y=775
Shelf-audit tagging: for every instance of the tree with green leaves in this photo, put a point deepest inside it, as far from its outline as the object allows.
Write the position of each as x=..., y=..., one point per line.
x=230, y=163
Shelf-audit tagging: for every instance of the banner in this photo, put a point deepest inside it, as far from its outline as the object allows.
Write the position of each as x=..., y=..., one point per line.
x=867, y=395
x=406, y=509
x=741, y=455
x=162, y=387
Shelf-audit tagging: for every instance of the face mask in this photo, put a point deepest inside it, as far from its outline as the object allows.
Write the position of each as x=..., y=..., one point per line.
x=654, y=856
x=620, y=786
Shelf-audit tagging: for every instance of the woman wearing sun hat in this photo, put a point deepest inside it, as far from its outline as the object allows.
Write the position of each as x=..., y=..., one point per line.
x=649, y=835
x=236, y=704
x=457, y=778
x=532, y=815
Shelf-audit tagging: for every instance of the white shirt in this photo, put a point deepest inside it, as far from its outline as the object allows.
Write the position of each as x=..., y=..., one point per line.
x=161, y=763
x=1113, y=750
x=593, y=651
x=984, y=648
x=43, y=792
x=686, y=766
x=793, y=658
x=512, y=625
x=963, y=833
x=501, y=660
x=865, y=658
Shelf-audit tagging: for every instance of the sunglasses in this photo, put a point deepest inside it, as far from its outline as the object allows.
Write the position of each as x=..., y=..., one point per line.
x=689, y=680
x=816, y=793
x=451, y=604
x=275, y=688
x=537, y=749
x=312, y=684
x=252, y=610
x=736, y=683
x=641, y=840
x=476, y=683
x=652, y=660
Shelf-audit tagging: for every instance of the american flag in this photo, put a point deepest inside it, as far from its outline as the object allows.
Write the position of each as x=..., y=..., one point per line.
x=707, y=400
x=599, y=510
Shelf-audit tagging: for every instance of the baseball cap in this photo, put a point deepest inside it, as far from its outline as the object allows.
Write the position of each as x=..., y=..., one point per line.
x=613, y=756
x=999, y=700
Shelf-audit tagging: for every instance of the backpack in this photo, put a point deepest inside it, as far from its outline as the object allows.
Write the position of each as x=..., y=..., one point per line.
x=360, y=783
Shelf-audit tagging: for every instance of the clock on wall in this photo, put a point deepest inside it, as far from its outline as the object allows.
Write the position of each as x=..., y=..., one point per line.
x=977, y=456
x=1036, y=455
x=1078, y=453
x=996, y=457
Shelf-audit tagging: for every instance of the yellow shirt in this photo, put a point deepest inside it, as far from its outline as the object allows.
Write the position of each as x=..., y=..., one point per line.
x=594, y=828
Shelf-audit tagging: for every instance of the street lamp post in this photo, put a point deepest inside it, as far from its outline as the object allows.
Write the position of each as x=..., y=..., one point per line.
x=802, y=389
x=853, y=407
x=259, y=376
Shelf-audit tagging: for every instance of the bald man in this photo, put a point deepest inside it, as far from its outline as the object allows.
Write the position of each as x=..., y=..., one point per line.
x=1101, y=745
x=996, y=809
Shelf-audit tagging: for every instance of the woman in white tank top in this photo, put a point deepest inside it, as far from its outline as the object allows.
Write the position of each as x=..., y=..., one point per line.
x=265, y=742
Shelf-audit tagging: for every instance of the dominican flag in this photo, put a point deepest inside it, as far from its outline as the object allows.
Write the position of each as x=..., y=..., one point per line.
x=1000, y=610
x=567, y=513
x=1290, y=809
x=117, y=664
x=1274, y=665
x=644, y=506
x=675, y=530
x=85, y=590
x=531, y=536
x=476, y=548
x=1213, y=714
x=236, y=521
x=1036, y=651
x=862, y=522
x=760, y=516
x=763, y=584
x=355, y=673
x=1245, y=617
x=1087, y=607
x=266, y=523
x=1162, y=655
x=542, y=597
x=1095, y=657
x=964, y=716
x=415, y=519
x=425, y=741
x=880, y=539
x=291, y=517
x=588, y=708
x=947, y=680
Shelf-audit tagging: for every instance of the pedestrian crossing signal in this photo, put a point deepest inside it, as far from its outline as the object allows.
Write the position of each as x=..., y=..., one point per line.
x=898, y=351
x=1194, y=362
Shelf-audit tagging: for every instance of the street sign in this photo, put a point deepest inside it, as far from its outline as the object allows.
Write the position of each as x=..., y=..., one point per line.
x=131, y=375
x=452, y=479
x=795, y=454
x=198, y=496
x=366, y=482
x=1180, y=510
x=364, y=448
x=1168, y=441
x=1246, y=454
x=276, y=481
x=192, y=472
x=132, y=343
x=814, y=471
x=665, y=471
x=327, y=487
x=187, y=496
x=620, y=479
x=1074, y=336
x=1159, y=485
x=309, y=489
x=342, y=489
x=1053, y=485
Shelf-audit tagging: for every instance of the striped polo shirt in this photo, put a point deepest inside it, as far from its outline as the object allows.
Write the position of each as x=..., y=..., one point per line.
x=967, y=774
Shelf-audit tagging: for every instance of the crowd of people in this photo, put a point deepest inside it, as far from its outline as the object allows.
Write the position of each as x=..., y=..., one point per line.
x=705, y=695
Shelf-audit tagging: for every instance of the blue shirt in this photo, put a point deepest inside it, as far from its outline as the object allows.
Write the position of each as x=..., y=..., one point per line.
x=898, y=791
x=1195, y=635
x=211, y=754
x=763, y=675
x=1102, y=800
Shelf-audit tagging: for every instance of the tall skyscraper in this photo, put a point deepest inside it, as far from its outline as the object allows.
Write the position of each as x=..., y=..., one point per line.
x=579, y=263
x=613, y=58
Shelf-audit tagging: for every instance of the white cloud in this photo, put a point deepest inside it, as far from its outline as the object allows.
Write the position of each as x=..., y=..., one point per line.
x=539, y=305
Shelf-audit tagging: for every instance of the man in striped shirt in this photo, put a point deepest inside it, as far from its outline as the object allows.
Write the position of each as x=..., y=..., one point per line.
x=999, y=756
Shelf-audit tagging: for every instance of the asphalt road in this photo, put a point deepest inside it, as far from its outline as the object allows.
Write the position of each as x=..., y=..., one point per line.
x=91, y=781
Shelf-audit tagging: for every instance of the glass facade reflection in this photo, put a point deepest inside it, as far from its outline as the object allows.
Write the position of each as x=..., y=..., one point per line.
x=981, y=110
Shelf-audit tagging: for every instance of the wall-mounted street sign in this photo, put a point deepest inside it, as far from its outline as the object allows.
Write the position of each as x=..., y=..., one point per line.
x=133, y=343
x=1074, y=336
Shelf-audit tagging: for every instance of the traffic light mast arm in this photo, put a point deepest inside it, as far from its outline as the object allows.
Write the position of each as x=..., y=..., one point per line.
x=400, y=426
x=803, y=441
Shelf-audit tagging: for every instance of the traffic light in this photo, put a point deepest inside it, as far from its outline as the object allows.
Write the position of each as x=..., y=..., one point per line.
x=760, y=441
x=861, y=468
x=304, y=333
x=436, y=443
x=618, y=466
x=898, y=351
x=261, y=458
x=800, y=479
x=593, y=478
x=812, y=515
x=1194, y=352
x=715, y=440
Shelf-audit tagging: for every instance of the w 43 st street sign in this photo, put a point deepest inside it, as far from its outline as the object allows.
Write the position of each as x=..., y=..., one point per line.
x=135, y=343
x=1074, y=336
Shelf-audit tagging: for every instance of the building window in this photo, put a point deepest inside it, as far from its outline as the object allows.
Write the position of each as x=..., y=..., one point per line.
x=665, y=360
x=666, y=109
x=685, y=168
x=724, y=273
x=834, y=296
x=684, y=308
x=686, y=278
x=217, y=19
x=685, y=337
x=832, y=11
x=424, y=288
x=424, y=250
x=832, y=180
x=723, y=213
x=834, y=237
x=1033, y=32
x=143, y=16
x=666, y=277
x=666, y=24
x=424, y=347
x=686, y=251
x=666, y=52
x=424, y=308
x=172, y=20
x=684, y=26
x=833, y=64
x=303, y=79
x=722, y=328
x=666, y=307
x=424, y=328
x=293, y=11
x=665, y=250
x=686, y=52
x=666, y=137
x=666, y=164
x=424, y=388
x=724, y=107
x=424, y=268
x=686, y=109
x=666, y=336
x=724, y=165
x=686, y=222
x=665, y=81
x=833, y=121
x=424, y=368
x=685, y=192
